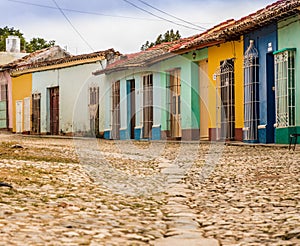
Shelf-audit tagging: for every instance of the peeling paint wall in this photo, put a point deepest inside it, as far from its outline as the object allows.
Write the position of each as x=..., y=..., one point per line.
x=73, y=83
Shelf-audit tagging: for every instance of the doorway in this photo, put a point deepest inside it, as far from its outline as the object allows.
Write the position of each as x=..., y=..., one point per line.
x=115, y=110
x=271, y=112
x=54, y=110
x=94, y=110
x=36, y=113
x=147, y=105
x=204, y=115
x=174, y=101
x=225, y=101
x=131, y=106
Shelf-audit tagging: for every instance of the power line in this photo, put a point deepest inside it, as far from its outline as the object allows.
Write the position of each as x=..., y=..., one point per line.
x=74, y=28
x=162, y=18
x=187, y=22
x=80, y=11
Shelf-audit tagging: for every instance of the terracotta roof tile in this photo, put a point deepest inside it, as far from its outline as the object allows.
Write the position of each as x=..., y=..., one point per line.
x=140, y=59
x=232, y=29
x=66, y=61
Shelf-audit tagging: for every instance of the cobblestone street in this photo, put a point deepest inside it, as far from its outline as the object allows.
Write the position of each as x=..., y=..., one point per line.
x=97, y=192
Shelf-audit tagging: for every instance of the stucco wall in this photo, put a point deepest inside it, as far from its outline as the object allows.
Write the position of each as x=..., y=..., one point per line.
x=288, y=37
x=265, y=41
x=21, y=88
x=189, y=94
x=5, y=79
x=73, y=83
x=216, y=54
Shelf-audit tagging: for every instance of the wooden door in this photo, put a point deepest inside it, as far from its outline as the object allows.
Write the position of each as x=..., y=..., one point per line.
x=19, y=116
x=147, y=106
x=116, y=110
x=54, y=111
x=204, y=113
x=36, y=114
x=175, y=107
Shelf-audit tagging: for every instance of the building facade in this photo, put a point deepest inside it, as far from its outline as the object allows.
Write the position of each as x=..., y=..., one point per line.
x=259, y=93
x=287, y=75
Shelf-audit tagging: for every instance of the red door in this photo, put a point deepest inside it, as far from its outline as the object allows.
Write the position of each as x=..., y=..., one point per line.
x=54, y=111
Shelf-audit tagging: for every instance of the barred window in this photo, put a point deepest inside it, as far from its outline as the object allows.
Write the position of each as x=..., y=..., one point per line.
x=251, y=93
x=285, y=87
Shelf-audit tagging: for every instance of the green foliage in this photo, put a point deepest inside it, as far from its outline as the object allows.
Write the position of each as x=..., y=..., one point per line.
x=38, y=44
x=31, y=46
x=7, y=31
x=169, y=36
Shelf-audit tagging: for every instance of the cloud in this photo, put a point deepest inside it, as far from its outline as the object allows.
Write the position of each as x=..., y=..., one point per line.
x=124, y=34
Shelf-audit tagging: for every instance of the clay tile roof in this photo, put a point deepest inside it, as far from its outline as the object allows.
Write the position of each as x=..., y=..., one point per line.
x=209, y=37
x=63, y=61
x=140, y=59
x=49, y=53
x=227, y=30
x=262, y=17
x=231, y=29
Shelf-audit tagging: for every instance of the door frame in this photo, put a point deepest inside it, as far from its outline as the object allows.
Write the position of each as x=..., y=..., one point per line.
x=225, y=90
x=131, y=111
x=174, y=101
x=147, y=105
x=54, y=111
x=204, y=99
x=94, y=110
x=115, y=111
x=36, y=113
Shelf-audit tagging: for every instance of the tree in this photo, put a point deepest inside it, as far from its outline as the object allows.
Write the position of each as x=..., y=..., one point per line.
x=169, y=36
x=31, y=46
x=38, y=44
x=7, y=31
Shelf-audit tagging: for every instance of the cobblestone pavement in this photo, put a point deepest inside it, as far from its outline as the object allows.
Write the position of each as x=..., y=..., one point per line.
x=96, y=192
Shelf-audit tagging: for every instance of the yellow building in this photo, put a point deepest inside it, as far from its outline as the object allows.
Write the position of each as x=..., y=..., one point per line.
x=225, y=70
x=21, y=103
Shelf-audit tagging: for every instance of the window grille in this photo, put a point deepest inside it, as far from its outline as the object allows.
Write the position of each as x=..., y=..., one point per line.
x=225, y=110
x=94, y=95
x=285, y=87
x=251, y=93
x=147, y=105
x=94, y=109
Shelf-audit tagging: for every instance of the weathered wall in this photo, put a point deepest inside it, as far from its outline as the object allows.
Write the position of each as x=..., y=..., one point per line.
x=21, y=89
x=216, y=54
x=73, y=83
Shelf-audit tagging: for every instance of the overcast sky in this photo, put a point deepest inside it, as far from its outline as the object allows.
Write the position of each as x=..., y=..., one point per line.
x=84, y=26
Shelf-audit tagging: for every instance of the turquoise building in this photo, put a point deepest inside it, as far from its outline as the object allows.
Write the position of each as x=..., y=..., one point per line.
x=151, y=95
x=287, y=79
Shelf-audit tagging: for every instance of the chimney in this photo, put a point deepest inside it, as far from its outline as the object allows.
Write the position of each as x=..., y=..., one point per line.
x=13, y=44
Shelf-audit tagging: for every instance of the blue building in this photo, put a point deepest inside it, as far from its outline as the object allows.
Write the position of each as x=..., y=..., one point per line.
x=259, y=93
